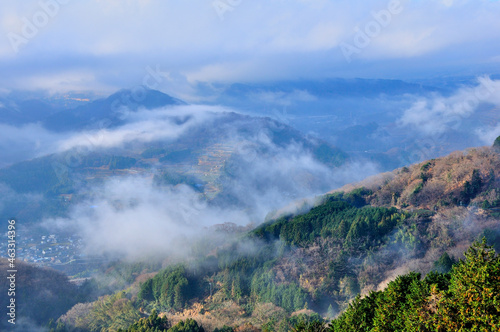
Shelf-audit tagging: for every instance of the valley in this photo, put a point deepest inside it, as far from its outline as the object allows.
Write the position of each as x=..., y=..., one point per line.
x=250, y=166
x=226, y=219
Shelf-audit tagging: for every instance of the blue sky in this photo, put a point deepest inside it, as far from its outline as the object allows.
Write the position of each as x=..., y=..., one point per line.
x=63, y=45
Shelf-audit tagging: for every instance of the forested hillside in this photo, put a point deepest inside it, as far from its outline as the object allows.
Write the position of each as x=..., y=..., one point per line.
x=387, y=251
x=465, y=299
x=460, y=179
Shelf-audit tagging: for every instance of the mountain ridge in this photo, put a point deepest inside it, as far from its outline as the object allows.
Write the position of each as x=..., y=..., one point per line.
x=106, y=111
x=323, y=258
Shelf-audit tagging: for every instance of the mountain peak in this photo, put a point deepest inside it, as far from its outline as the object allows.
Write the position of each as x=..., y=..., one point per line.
x=142, y=97
x=107, y=108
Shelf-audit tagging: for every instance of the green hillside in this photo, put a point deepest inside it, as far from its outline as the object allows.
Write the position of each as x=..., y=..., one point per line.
x=381, y=256
x=465, y=299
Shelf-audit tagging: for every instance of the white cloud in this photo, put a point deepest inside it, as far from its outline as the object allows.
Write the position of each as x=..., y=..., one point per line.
x=438, y=114
x=19, y=143
x=488, y=135
x=26, y=142
x=132, y=217
x=143, y=126
x=71, y=80
x=283, y=98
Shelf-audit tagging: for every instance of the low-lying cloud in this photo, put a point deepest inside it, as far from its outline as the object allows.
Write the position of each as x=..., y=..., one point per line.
x=488, y=135
x=439, y=114
x=135, y=217
x=143, y=126
x=19, y=143
x=132, y=217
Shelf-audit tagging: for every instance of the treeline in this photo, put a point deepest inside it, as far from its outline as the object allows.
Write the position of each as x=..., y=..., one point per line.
x=248, y=279
x=245, y=271
x=336, y=218
x=169, y=289
x=287, y=296
x=464, y=299
x=155, y=323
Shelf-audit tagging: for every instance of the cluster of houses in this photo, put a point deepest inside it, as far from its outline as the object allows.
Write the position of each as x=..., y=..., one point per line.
x=45, y=250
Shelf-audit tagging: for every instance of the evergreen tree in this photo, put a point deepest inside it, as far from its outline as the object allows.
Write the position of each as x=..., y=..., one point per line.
x=444, y=263
x=473, y=300
x=153, y=323
x=189, y=325
x=236, y=288
x=330, y=313
x=496, y=144
x=465, y=299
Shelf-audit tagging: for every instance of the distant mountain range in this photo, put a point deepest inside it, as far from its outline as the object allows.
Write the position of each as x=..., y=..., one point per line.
x=364, y=116
x=360, y=116
x=77, y=110
x=328, y=88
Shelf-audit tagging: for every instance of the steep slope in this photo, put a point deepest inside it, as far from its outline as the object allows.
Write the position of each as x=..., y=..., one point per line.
x=459, y=179
x=322, y=259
